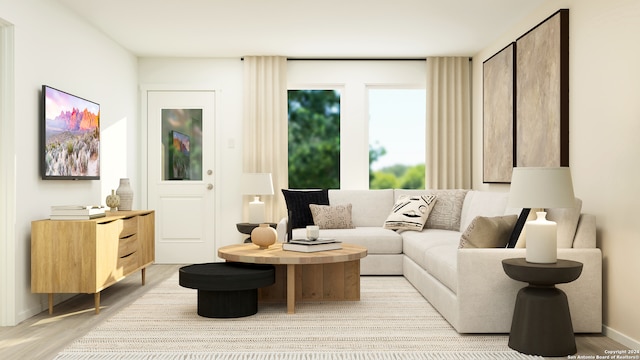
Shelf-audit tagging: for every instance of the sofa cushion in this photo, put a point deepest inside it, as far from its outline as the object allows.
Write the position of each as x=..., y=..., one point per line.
x=332, y=216
x=488, y=232
x=442, y=263
x=446, y=212
x=483, y=203
x=369, y=207
x=567, y=219
x=416, y=243
x=298, y=205
x=376, y=239
x=410, y=212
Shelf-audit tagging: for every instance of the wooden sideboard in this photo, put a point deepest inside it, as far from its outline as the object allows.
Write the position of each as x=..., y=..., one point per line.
x=87, y=256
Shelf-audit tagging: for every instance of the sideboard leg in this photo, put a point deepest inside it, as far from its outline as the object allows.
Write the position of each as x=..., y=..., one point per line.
x=50, y=303
x=96, y=299
x=144, y=275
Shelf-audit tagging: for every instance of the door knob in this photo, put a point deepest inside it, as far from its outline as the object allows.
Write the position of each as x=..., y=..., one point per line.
x=209, y=186
x=209, y=172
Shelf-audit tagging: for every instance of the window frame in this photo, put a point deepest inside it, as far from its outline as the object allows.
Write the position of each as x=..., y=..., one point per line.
x=353, y=78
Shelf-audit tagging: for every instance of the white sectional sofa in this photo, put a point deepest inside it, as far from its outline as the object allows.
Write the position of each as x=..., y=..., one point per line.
x=467, y=286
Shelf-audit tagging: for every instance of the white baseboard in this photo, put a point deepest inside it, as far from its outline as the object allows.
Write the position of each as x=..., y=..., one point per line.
x=621, y=338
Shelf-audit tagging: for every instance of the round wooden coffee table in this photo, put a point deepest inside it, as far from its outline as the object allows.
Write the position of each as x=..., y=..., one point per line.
x=322, y=275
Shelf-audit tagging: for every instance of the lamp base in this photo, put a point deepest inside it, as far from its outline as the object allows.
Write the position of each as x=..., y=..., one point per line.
x=542, y=245
x=256, y=211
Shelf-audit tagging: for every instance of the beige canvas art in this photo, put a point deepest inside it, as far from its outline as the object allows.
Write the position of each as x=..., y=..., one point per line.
x=542, y=104
x=498, y=105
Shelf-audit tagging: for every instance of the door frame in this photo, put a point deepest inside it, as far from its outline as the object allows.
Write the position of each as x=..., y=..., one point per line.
x=144, y=146
x=8, y=287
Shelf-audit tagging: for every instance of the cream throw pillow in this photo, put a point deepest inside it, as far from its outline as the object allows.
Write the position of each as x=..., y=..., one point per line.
x=488, y=232
x=332, y=216
x=410, y=212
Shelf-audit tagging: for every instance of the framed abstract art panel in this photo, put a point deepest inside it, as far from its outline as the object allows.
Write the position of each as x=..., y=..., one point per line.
x=498, y=115
x=542, y=94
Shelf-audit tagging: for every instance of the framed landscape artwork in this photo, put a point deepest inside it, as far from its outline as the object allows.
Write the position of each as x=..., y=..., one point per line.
x=542, y=94
x=498, y=116
x=69, y=136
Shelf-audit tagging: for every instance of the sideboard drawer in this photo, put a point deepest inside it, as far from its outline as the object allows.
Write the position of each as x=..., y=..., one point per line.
x=129, y=226
x=128, y=245
x=128, y=263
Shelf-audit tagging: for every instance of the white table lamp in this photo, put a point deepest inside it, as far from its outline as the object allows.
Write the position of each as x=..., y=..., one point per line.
x=256, y=184
x=541, y=187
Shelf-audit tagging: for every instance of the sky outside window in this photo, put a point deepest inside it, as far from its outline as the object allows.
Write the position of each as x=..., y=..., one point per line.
x=397, y=124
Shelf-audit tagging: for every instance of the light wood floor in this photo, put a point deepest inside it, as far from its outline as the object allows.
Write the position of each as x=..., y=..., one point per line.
x=44, y=336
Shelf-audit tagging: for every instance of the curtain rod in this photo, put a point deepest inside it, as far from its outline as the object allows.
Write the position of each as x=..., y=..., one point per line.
x=356, y=59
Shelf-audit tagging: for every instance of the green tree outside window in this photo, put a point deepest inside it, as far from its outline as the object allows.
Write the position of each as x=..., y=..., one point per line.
x=314, y=139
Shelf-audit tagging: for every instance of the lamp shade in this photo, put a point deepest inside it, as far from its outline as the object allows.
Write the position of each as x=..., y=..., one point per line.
x=257, y=184
x=541, y=187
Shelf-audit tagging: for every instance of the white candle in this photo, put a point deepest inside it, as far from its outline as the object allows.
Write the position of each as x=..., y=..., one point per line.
x=541, y=240
x=313, y=232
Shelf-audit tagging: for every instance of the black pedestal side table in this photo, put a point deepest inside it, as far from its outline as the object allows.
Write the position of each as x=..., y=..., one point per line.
x=541, y=319
x=247, y=228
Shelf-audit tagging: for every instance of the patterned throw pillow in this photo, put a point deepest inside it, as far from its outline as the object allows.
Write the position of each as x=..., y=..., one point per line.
x=332, y=217
x=410, y=212
x=446, y=214
x=488, y=232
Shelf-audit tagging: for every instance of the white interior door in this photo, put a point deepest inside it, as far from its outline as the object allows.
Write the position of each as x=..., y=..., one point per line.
x=180, y=130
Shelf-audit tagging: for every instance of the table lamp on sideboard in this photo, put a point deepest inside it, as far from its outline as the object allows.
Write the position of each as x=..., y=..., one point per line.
x=256, y=184
x=541, y=187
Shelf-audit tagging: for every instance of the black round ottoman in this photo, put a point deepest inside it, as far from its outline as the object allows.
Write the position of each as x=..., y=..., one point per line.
x=227, y=289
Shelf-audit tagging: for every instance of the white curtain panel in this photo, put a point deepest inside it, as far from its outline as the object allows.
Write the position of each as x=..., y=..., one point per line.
x=448, y=130
x=265, y=127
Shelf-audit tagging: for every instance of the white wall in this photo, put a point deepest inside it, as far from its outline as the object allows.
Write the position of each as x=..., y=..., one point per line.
x=604, y=126
x=225, y=77
x=54, y=47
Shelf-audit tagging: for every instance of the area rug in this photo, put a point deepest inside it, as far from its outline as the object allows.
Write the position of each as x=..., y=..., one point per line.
x=391, y=321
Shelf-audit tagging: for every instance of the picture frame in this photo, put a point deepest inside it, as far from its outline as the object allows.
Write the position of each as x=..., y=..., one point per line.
x=499, y=76
x=542, y=101
x=69, y=136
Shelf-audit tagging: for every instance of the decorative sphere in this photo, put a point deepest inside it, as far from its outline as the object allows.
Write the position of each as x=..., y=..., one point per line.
x=264, y=235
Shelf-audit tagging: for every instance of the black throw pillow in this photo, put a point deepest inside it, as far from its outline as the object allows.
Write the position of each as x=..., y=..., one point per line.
x=298, y=205
x=522, y=219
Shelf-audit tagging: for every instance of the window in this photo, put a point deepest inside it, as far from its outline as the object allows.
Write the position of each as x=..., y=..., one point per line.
x=396, y=138
x=314, y=139
x=350, y=81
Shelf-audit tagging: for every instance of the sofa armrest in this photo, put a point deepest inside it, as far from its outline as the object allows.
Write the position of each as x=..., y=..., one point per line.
x=486, y=295
x=281, y=229
x=585, y=232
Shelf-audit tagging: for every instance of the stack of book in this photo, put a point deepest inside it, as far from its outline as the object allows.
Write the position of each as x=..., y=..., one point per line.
x=306, y=245
x=76, y=212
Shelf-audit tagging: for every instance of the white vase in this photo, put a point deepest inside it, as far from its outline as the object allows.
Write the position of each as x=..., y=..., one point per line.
x=125, y=192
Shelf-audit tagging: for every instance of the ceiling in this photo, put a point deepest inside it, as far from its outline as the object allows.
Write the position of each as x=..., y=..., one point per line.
x=303, y=28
